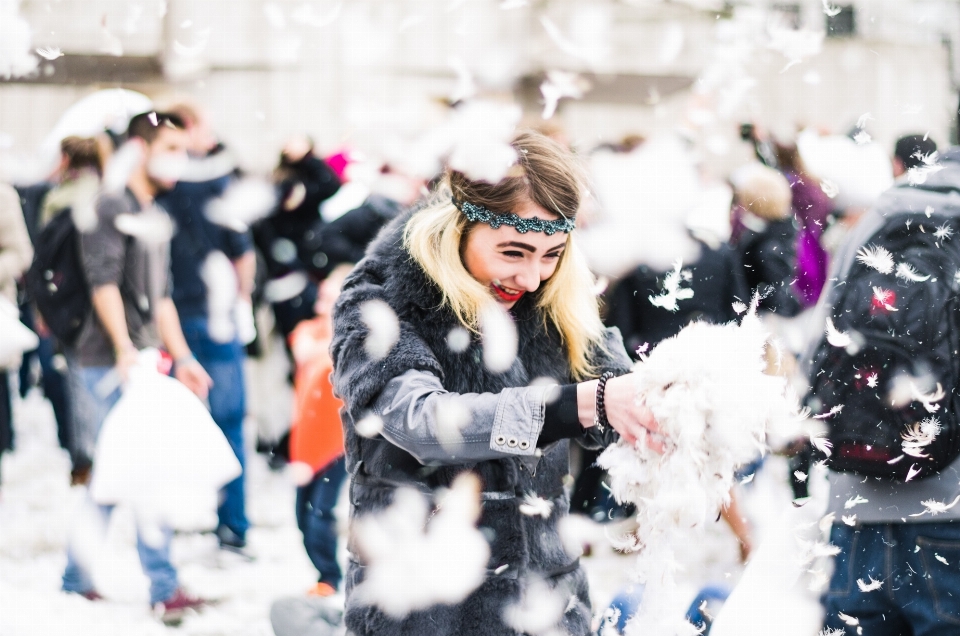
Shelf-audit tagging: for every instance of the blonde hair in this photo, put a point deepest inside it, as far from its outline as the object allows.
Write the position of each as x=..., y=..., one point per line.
x=763, y=191
x=548, y=175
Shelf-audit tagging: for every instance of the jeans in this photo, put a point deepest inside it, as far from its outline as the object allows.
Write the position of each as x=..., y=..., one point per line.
x=55, y=387
x=919, y=566
x=6, y=414
x=154, y=557
x=227, y=401
x=315, y=504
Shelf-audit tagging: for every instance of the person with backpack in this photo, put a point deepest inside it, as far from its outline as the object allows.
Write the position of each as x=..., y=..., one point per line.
x=15, y=255
x=212, y=331
x=884, y=374
x=72, y=195
x=124, y=259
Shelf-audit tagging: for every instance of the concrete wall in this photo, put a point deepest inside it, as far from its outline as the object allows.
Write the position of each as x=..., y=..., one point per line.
x=357, y=72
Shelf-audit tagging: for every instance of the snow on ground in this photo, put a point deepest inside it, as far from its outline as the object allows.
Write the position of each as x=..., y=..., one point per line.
x=37, y=507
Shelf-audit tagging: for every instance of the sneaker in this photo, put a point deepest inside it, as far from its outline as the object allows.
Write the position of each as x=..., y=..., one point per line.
x=80, y=476
x=322, y=589
x=90, y=595
x=172, y=610
x=230, y=540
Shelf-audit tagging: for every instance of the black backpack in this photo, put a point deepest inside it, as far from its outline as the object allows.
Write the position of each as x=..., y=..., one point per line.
x=904, y=331
x=55, y=281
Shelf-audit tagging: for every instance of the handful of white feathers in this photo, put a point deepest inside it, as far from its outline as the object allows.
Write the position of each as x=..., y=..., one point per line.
x=707, y=388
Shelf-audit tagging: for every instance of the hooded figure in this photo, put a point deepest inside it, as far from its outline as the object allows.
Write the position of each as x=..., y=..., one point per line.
x=765, y=235
x=440, y=270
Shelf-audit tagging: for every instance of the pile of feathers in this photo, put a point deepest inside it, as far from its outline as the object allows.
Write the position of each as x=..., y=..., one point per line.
x=715, y=405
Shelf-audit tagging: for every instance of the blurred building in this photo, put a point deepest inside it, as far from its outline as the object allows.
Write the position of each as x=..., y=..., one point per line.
x=373, y=73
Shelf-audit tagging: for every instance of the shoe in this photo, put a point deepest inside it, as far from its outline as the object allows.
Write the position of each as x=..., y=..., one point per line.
x=322, y=589
x=230, y=540
x=80, y=476
x=172, y=610
x=90, y=595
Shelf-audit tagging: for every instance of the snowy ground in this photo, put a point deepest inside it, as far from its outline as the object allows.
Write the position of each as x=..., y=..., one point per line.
x=37, y=507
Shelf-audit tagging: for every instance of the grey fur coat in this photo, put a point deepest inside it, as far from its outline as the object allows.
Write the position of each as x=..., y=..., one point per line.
x=527, y=545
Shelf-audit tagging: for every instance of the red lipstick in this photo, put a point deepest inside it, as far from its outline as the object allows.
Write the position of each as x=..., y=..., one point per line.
x=509, y=298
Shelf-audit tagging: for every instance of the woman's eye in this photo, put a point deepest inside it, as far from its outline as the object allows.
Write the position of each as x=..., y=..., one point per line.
x=513, y=254
x=553, y=255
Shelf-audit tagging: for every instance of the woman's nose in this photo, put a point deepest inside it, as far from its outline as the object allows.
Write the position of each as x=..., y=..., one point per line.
x=529, y=279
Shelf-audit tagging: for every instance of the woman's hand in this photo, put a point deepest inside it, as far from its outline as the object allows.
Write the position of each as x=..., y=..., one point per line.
x=631, y=420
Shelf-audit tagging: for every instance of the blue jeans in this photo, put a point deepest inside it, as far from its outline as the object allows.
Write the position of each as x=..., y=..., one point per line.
x=54, y=387
x=919, y=565
x=315, y=504
x=154, y=559
x=227, y=401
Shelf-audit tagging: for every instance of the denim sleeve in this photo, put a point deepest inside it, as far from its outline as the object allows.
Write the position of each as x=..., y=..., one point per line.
x=440, y=427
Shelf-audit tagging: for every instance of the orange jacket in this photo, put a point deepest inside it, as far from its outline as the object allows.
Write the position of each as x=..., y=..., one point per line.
x=316, y=435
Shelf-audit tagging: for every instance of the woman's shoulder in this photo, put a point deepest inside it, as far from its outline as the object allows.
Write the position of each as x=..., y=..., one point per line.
x=388, y=266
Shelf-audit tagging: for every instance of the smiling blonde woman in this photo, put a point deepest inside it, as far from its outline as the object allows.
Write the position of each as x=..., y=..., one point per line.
x=439, y=269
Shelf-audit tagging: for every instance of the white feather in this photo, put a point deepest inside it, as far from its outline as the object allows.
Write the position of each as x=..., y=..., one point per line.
x=382, y=326
x=935, y=507
x=836, y=337
x=243, y=203
x=854, y=501
x=876, y=257
x=853, y=621
x=499, y=338
x=870, y=586
x=928, y=399
x=882, y=297
x=444, y=548
x=151, y=226
x=672, y=291
x=908, y=272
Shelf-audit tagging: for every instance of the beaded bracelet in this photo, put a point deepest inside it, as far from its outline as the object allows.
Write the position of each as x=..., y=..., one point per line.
x=600, y=418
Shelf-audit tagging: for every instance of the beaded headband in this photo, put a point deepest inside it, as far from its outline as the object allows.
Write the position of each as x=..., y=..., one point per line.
x=495, y=220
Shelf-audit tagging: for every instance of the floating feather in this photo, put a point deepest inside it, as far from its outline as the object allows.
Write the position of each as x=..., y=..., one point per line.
x=836, y=337
x=908, y=272
x=876, y=257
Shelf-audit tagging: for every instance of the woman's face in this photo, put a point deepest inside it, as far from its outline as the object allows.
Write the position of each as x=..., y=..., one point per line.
x=509, y=263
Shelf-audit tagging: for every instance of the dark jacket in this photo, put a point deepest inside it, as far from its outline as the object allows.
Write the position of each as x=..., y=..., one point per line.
x=345, y=239
x=301, y=225
x=715, y=278
x=504, y=408
x=769, y=254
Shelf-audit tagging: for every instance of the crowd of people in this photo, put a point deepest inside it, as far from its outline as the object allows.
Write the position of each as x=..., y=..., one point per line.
x=103, y=266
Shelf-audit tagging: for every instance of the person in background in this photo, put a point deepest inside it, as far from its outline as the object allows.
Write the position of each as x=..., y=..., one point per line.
x=132, y=309
x=717, y=281
x=911, y=152
x=213, y=339
x=811, y=209
x=16, y=253
x=289, y=238
x=316, y=437
x=764, y=236
x=77, y=184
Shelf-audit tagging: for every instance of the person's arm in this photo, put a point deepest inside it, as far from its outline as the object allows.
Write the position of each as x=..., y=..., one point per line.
x=441, y=427
x=108, y=306
x=16, y=251
x=246, y=267
x=738, y=524
x=186, y=368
